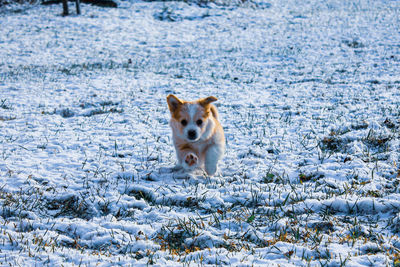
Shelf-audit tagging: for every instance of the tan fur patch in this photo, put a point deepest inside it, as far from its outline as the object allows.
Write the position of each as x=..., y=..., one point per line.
x=185, y=146
x=207, y=101
x=177, y=114
x=214, y=111
x=175, y=106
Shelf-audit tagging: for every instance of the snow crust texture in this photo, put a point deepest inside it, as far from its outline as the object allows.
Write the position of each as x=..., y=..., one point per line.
x=309, y=96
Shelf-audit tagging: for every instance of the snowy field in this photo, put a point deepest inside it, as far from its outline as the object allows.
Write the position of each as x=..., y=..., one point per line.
x=309, y=95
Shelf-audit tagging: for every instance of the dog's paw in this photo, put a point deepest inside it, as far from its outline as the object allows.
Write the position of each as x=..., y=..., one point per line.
x=191, y=159
x=211, y=169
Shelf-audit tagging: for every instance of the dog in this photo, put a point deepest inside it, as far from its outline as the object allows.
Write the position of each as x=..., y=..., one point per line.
x=198, y=136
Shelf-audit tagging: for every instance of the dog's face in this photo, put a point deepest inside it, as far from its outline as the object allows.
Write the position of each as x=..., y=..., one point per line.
x=190, y=120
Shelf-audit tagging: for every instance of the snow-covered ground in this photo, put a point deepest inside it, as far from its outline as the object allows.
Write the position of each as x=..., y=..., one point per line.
x=309, y=95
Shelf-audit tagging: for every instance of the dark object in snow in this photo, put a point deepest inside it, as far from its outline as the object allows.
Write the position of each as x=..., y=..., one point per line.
x=323, y=226
x=102, y=3
x=65, y=7
x=66, y=113
x=168, y=14
x=354, y=44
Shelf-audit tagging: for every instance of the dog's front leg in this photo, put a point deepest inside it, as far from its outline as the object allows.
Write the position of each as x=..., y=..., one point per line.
x=187, y=159
x=213, y=154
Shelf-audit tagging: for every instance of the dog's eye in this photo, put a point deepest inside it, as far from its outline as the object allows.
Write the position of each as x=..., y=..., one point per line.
x=184, y=122
x=199, y=122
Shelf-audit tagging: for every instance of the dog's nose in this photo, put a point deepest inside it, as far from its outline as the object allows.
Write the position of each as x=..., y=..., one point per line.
x=192, y=134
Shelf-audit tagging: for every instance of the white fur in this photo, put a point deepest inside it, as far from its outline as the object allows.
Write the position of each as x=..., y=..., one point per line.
x=213, y=155
x=209, y=129
x=192, y=109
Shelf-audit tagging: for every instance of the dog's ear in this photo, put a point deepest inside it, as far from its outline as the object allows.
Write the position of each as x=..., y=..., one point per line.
x=173, y=103
x=207, y=101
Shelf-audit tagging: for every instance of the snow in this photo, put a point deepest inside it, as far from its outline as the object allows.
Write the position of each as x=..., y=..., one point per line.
x=309, y=96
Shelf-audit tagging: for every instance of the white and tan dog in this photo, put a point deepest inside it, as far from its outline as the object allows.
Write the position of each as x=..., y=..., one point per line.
x=197, y=134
